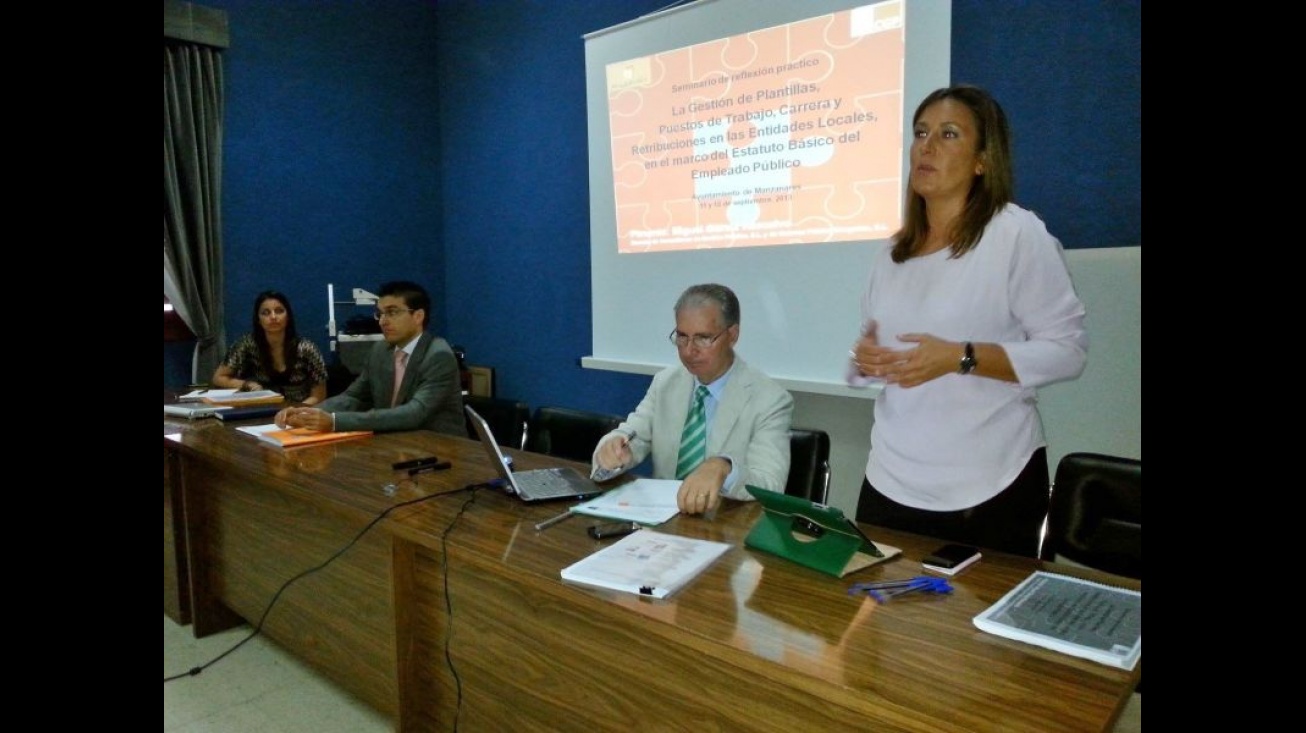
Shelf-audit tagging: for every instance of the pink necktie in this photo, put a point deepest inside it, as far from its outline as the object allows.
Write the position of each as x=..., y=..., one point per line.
x=401, y=361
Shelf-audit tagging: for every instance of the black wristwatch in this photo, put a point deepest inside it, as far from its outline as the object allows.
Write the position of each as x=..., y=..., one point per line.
x=968, y=361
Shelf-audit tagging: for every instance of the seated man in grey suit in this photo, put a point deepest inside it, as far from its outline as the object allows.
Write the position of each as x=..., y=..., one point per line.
x=742, y=436
x=429, y=393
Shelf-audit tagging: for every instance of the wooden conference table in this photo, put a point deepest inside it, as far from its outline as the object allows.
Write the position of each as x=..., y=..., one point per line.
x=452, y=609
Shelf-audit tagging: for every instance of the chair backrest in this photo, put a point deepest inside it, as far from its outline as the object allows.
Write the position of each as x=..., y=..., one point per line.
x=1096, y=514
x=809, y=465
x=507, y=418
x=569, y=433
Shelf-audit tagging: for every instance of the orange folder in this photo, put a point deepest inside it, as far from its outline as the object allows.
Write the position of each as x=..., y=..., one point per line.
x=296, y=437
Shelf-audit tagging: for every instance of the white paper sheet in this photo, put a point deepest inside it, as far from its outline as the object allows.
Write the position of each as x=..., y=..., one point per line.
x=644, y=500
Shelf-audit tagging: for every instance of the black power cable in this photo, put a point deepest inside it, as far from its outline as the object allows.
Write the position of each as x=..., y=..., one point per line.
x=258, y=628
x=448, y=607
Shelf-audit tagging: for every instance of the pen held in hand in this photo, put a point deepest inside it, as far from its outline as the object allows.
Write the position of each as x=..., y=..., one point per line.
x=624, y=451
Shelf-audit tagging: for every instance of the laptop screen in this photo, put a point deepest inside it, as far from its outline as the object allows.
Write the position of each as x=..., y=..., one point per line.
x=491, y=445
x=541, y=484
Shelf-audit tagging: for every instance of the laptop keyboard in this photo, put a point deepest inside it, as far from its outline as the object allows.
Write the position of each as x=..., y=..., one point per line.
x=543, y=483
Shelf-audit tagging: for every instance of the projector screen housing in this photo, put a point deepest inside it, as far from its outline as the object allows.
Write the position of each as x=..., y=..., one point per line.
x=761, y=146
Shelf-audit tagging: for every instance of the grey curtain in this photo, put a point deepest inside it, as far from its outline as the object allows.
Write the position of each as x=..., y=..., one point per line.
x=192, y=196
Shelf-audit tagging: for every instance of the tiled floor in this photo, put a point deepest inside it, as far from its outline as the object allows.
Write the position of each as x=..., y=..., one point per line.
x=260, y=687
x=1131, y=720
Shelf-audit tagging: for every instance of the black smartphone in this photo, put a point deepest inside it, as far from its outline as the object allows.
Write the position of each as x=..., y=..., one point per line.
x=950, y=558
x=612, y=529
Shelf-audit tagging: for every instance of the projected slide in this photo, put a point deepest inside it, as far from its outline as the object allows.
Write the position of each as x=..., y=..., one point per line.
x=787, y=135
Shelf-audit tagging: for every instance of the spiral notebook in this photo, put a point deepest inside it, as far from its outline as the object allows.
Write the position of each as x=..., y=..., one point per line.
x=646, y=562
x=1071, y=615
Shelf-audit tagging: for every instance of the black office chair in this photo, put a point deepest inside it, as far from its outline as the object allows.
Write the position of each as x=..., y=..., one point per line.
x=507, y=419
x=809, y=465
x=569, y=433
x=1096, y=515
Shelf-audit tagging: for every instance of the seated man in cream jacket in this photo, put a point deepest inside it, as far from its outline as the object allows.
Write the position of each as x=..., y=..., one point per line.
x=747, y=414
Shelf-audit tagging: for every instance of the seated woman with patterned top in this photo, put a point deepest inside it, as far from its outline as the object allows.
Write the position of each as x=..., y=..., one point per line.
x=274, y=356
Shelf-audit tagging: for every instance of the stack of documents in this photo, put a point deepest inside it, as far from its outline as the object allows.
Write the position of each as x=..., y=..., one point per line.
x=644, y=500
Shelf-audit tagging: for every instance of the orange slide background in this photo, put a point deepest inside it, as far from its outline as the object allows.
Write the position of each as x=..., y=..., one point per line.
x=721, y=145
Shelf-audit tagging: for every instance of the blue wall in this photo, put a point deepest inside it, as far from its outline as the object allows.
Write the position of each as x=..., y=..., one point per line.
x=446, y=143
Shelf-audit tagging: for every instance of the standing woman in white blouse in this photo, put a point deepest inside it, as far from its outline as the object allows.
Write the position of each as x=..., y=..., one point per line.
x=964, y=316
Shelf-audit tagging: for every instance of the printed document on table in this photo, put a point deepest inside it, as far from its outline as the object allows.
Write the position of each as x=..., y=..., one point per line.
x=644, y=500
x=646, y=562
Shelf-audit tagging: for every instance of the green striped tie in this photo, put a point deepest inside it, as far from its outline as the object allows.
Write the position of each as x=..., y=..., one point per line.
x=693, y=441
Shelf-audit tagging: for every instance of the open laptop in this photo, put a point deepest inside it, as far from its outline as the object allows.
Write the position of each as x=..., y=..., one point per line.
x=541, y=484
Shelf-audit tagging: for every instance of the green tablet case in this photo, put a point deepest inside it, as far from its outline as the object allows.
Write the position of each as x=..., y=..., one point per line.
x=815, y=535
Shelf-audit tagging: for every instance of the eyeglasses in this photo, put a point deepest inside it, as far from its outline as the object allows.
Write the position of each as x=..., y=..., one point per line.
x=391, y=313
x=681, y=340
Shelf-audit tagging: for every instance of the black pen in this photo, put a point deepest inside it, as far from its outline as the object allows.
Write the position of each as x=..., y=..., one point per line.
x=428, y=468
x=415, y=463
